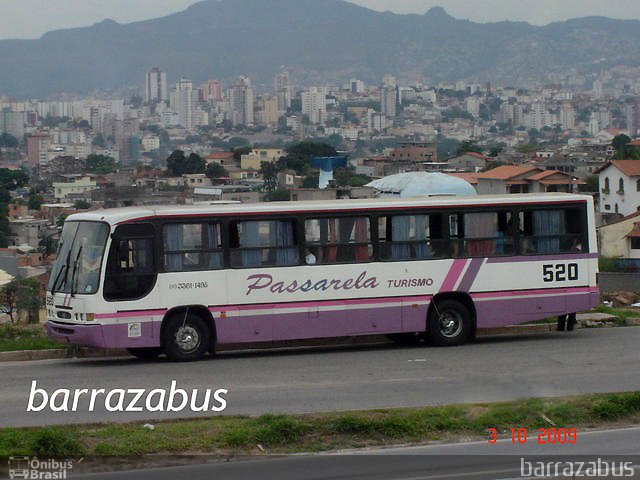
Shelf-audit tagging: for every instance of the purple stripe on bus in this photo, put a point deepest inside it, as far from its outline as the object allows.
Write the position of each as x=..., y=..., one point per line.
x=542, y=258
x=491, y=313
x=470, y=275
x=454, y=273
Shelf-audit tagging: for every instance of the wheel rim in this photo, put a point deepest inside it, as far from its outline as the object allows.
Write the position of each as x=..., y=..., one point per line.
x=187, y=339
x=451, y=323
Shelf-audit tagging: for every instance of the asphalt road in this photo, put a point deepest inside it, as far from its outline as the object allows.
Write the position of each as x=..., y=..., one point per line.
x=475, y=460
x=313, y=380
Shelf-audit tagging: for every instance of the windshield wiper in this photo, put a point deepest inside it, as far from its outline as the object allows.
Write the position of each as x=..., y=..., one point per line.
x=75, y=269
x=65, y=269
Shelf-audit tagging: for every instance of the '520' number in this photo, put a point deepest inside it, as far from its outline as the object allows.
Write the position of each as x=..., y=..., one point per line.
x=560, y=272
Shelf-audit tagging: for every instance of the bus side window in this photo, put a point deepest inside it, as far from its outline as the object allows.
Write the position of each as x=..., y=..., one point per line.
x=192, y=246
x=409, y=237
x=551, y=230
x=339, y=240
x=263, y=243
x=130, y=270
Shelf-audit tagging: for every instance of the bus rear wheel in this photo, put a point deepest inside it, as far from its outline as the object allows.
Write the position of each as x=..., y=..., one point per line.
x=450, y=323
x=185, y=338
x=145, y=353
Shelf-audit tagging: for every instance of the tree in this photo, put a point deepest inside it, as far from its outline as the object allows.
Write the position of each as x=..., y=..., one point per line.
x=468, y=146
x=12, y=179
x=447, y=147
x=299, y=154
x=81, y=205
x=279, y=195
x=101, y=164
x=238, y=142
x=620, y=144
x=98, y=140
x=590, y=184
x=269, y=172
x=28, y=299
x=239, y=151
x=21, y=295
x=527, y=147
x=215, y=170
x=195, y=164
x=178, y=164
x=8, y=141
x=135, y=101
x=495, y=151
x=35, y=200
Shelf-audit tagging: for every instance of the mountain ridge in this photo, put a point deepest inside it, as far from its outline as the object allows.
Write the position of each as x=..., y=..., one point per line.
x=317, y=40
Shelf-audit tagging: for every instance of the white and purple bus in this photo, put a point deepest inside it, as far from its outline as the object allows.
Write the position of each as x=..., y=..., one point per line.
x=183, y=279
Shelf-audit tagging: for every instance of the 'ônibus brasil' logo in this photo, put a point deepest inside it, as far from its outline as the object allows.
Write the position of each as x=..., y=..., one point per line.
x=261, y=281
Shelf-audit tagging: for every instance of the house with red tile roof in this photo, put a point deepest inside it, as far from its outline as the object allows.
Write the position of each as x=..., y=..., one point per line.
x=469, y=162
x=223, y=158
x=524, y=179
x=619, y=187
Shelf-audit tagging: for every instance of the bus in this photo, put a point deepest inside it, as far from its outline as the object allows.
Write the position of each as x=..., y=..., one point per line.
x=181, y=280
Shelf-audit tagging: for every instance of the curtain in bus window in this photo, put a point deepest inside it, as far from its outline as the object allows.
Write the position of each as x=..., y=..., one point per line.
x=173, y=242
x=346, y=252
x=481, y=226
x=362, y=236
x=421, y=248
x=283, y=233
x=213, y=241
x=548, y=222
x=332, y=250
x=250, y=240
x=400, y=232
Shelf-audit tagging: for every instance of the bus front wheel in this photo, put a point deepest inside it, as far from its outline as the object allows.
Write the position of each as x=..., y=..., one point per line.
x=450, y=323
x=185, y=337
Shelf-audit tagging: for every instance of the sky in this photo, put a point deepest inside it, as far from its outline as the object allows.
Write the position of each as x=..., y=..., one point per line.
x=32, y=18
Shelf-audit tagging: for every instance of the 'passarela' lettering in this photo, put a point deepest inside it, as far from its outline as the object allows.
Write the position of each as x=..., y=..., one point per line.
x=261, y=281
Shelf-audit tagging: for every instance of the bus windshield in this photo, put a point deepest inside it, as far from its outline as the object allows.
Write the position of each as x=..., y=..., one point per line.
x=77, y=267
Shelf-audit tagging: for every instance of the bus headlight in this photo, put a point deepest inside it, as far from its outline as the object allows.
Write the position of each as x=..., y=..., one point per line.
x=89, y=317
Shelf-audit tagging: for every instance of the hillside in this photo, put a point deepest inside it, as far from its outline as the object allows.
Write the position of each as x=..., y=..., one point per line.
x=317, y=40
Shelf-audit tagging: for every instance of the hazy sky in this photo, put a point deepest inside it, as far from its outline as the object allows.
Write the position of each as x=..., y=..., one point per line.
x=32, y=18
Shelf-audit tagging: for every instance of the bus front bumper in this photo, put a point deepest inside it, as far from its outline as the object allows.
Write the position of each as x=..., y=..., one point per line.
x=102, y=336
x=84, y=335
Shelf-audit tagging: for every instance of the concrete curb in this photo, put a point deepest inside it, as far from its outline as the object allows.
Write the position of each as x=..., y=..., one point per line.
x=53, y=354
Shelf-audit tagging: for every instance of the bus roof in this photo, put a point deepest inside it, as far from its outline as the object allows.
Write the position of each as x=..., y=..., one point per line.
x=127, y=214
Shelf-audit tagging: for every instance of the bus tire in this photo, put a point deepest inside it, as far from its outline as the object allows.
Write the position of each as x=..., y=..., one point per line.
x=185, y=338
x=148, y=353
x=450, y=323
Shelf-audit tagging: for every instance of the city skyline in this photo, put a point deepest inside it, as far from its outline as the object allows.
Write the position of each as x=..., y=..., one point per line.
x=19, y=21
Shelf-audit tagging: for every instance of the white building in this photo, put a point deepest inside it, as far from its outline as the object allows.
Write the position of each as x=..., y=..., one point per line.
x=150, y=143
x=283, y=89
x=240, y=98
x=472, y=105
x=182, y=102
x=619, y=187
x=567, y=117
x=388, y=101
x=314, y=105
x=155, y=86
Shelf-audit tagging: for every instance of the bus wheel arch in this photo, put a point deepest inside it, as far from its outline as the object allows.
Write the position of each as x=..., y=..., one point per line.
x=196, y=317
x=461, y=308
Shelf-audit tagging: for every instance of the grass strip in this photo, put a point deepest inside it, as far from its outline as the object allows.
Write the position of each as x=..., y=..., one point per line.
x=230, y=435
x=25, y=337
